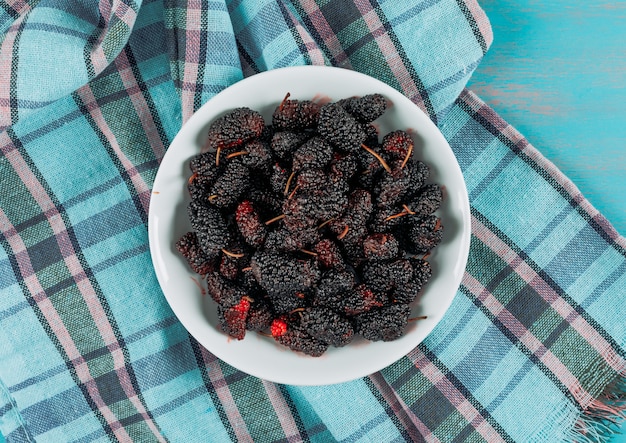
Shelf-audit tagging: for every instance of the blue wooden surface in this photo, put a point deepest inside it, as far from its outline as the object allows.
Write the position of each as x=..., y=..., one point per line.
x=557, y=72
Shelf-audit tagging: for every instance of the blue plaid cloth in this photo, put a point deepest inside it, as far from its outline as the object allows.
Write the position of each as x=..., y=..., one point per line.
x=91, y=95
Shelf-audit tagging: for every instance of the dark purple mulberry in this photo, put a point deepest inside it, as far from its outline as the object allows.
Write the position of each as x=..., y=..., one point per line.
x=362, y=299
x=233, y=319
x=380, y=247
x=249, y=223
x=314, y=153
x=365, y=109
x=260, y=316
x=295, y=114
x=189, y=248
x=333, y=287
x=340, y=128
x=234, y=129
x=387, y=323
x=327, y=325
x=210, y=228
x=284, y=143
x=296, y=338
x=398, y=144
x=427, y=201
x=229, y=186
x=258, y=155
x=223, y=292
x=328, y=254
x=283, y=274
x=425, y=234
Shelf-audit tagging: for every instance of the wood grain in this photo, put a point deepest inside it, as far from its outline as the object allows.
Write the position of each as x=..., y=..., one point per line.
x=557, y=72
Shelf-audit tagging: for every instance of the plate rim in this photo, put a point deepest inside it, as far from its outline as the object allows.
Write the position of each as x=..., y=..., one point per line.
x=199, y=118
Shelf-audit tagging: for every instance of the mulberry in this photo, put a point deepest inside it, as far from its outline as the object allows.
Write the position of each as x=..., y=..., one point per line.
x=249, y=224
x=327, y=325
x=233, y=319
x=367, y=108
x=297, y=339
x=282, y=274
x=386, y=323
x=295, y=114
x=234, y=129
x=284, y=143
x=189, y=248
x=230, y=185
x=340, y=128
x=314, y=153
x=210, y=227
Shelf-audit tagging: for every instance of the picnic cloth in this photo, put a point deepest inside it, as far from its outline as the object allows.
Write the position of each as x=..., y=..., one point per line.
x=91, y=95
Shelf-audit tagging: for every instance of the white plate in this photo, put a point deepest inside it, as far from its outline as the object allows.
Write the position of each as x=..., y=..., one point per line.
x=258, y=355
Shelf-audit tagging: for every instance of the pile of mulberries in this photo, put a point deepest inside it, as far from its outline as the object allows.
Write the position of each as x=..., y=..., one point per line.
x=312, y=229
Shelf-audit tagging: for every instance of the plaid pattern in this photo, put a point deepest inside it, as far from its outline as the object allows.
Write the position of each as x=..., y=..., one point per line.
x=91, y=94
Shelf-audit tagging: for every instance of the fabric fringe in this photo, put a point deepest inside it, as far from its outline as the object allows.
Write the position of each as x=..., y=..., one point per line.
x=604, y=416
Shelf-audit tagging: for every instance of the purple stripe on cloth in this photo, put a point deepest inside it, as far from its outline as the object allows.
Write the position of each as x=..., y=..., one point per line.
x=528, y=339
x=386, y=46
x=222, y=390
x=560, y=305
x=58, y=328
x=415, y=428
x=19, y=6
x=477, y=106
x=454, y=396
x=283, y=412
x=326, y=33
x=8, y=66
x=316, y=56
x=110, y=13
x=143, y=191
x=84, y=285
x=481, y=20
x=193, y=34
x=140, y=104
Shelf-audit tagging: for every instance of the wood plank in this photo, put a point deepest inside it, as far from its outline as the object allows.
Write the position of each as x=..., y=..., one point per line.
x=557, y=72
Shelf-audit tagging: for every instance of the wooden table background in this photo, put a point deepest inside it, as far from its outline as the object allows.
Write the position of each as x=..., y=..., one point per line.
x=557, y=72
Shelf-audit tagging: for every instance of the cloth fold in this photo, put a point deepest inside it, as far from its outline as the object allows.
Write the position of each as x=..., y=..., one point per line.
x=91, y=95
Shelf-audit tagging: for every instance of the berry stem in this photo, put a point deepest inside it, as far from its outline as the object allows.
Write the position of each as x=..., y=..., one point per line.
x=400, y=214
x=275, y=219
x=314, y=254
x=378, y=157
x=293, y=192
x=236, y=154
x=325, y=223
x=289, y=183
x=232, y=254
x=192, y=178
x=218, y=151
x=280, y=108
x=408, y=210
x=212, y=197
x=344, y=233
x=246, y=269
x=408, y=156
x=202, y=290
x=421, y=317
